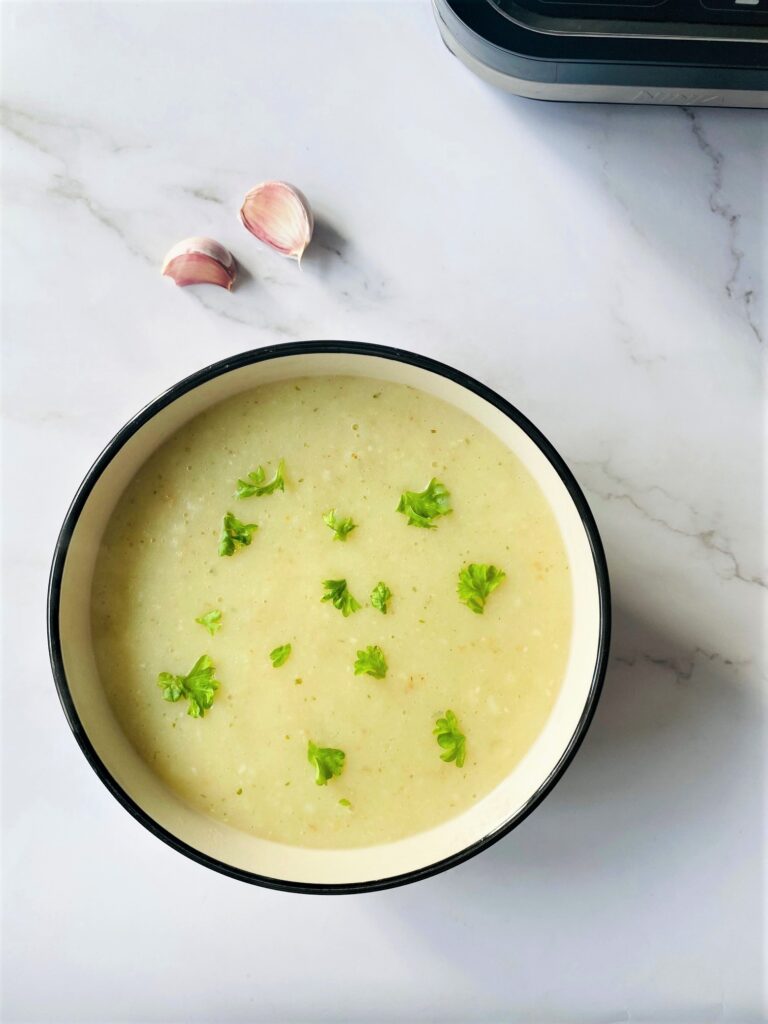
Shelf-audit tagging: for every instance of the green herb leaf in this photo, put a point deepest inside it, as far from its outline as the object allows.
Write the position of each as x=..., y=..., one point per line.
x=422, y=506
x=327, y=762
x=234, y=534
x=450, y=738
x=341, y=527
x=280, y=655
x=345, y=803
x=340, y=597
x=476, y=582
x=199, y=687
x=211, y=620
x=173, y=686
x=372, y=662
x=255, y=485
x=380, y=597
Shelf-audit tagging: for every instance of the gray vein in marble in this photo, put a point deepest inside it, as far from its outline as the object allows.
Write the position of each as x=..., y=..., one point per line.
x=627, y=336
x=334, y=250
x=610, y=184
x=625, y=333
x=683, y=667
x=20, y=132
x=709, y=538
x=206, y=195
x=22, y=123
x=718, y=204
x=329, y=252
x=225, y=314
x=67, y=187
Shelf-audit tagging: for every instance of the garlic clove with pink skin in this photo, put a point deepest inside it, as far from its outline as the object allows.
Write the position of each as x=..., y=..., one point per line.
x=279, y=215
x=200, y=260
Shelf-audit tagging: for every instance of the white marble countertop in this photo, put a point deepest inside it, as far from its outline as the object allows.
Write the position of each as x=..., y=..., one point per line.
x=600, y=267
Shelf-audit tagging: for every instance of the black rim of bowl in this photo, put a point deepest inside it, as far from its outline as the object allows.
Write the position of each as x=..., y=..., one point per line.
x=304, y=348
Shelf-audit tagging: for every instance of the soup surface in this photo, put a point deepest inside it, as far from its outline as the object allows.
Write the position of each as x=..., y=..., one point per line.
x=353, y=445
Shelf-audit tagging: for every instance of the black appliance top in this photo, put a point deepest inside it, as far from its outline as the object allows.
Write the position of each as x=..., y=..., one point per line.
x=703, y=33
x=703, y=19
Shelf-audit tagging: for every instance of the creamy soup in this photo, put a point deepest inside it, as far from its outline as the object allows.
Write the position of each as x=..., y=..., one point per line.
x=445, y=700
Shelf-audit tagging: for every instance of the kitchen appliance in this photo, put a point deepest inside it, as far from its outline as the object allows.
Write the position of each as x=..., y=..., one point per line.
x=684, y=52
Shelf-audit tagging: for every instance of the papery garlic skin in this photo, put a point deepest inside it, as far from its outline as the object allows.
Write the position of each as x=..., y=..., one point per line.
x=199, y=260
x=279, y=215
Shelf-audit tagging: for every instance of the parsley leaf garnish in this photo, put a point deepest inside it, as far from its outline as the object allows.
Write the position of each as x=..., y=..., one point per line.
x=327, y=762
x=211, y=620
x=255, y=485
x=372, y=662
x=199, y=687
x=380, y=597
x=234, y=533
x=451, y=739
x=341, y=527
x=340, y=597
x=280, y=655
x=422, y=506
x=344, y=802
x=476, y=582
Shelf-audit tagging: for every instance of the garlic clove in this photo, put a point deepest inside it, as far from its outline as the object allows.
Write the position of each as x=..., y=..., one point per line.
x=280, y=216
x=200, y=260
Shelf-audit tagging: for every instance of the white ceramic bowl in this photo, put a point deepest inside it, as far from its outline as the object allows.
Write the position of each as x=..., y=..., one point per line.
x=220, y=846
